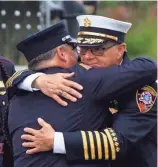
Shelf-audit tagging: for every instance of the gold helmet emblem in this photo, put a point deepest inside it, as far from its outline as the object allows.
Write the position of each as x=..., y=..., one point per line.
x=87, y=22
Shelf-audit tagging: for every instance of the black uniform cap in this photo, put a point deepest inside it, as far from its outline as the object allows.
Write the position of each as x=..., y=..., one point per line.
x=44, y=41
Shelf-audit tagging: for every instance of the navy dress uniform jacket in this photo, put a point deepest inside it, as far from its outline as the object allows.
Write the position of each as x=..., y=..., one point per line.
x=130, y=141
x=138, y=111
x=9, y=67
x=90, y=112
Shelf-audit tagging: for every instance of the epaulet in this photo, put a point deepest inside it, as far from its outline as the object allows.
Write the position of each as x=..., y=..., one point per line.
x=85, y=66
x=13, y=77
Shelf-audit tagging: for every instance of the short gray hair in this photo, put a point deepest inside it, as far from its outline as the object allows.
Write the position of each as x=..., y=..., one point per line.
x=33, y=64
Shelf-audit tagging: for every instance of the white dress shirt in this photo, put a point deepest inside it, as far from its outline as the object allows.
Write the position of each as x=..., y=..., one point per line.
x=27, y=83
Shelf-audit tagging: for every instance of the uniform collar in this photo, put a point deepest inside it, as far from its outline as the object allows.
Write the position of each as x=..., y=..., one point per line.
x=125, y=59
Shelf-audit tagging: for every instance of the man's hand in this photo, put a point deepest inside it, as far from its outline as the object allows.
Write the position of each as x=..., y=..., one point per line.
x=39, y=140
x=57, y=85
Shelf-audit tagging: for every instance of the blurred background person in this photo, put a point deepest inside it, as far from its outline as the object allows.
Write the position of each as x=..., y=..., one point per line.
x=6, y=71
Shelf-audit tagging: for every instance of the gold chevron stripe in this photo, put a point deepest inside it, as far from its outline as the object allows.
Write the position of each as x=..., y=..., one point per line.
x=85, y=145
x=11, y=79
x=113, y=151
x=98, y=145
x=92, y=146
x=106, y=148
x=8, y=81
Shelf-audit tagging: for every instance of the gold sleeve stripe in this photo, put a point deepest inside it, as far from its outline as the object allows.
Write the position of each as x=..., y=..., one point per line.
x=10, y=78
x=92, y=146
x=2, y=84
x=85, y=145
x=113, y=151
x=106, y=148
x=98, y=145
x=2, y=92
x=16, y=74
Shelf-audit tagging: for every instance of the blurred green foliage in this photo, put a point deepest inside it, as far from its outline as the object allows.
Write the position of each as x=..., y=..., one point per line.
x=142, y=37
x=140, y=4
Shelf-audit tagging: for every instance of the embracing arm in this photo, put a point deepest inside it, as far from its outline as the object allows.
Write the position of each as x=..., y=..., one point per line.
x=108, y=83
x=54, y=85
x=111, y=82
x=129, y=127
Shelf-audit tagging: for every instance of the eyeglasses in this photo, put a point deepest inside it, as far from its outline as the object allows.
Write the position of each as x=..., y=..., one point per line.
x=96, y=51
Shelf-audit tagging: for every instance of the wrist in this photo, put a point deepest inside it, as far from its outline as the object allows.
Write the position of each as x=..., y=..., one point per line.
x=36, y=83
x=51, y=144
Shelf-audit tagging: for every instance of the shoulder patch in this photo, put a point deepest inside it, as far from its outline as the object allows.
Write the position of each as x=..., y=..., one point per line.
x=85, y=66
x=145, y=98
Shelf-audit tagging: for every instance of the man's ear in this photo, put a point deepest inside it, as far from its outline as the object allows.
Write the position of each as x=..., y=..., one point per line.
x=121, y=50
x=60, y=53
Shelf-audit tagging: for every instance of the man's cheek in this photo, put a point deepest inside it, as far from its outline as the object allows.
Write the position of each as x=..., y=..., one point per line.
x=83, y=60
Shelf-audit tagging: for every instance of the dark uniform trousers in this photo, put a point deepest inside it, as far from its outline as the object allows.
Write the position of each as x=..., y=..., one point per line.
x=9, y=67
x=89, y=113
